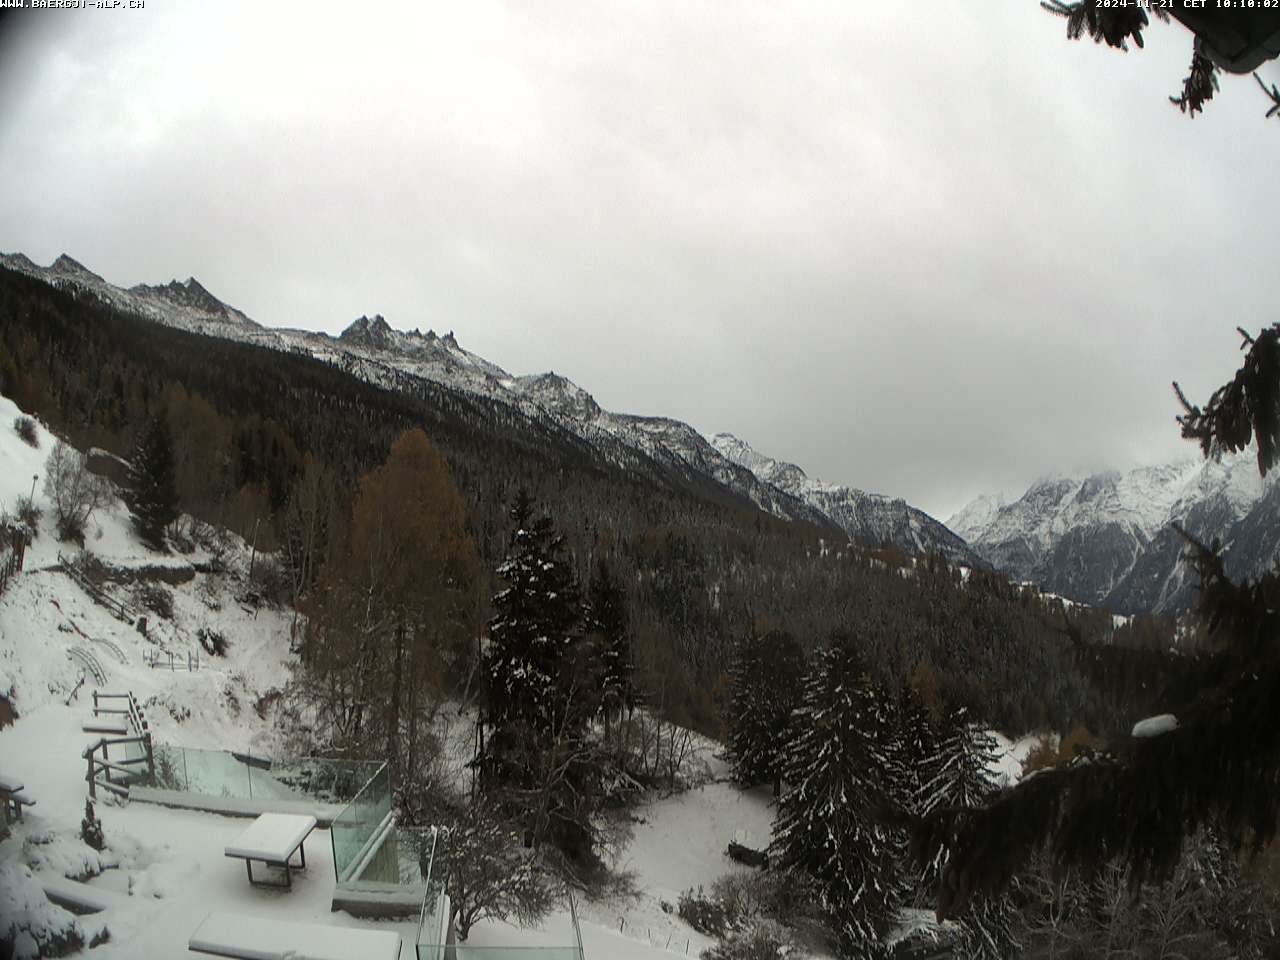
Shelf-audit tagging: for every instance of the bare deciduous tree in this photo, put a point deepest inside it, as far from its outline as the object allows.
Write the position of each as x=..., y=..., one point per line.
x=486, y=871
x=73, y=490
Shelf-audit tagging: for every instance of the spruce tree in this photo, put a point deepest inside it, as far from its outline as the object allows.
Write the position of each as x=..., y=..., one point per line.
x=916, y=745
x=151, y=491
x=957, y=773
x=839, y=771
x=607, y=618
x=764, y=689
x=537, y=623
x=538, y=692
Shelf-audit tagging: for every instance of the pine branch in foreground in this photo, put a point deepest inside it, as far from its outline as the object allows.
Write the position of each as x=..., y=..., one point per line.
x=1215, y=766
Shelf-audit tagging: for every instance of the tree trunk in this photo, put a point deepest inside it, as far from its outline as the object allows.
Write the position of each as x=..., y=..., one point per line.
x=393, y=718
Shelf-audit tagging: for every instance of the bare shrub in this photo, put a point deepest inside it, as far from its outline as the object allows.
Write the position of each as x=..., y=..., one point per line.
x=269, y=582
x=30, y=515
x=74, y=492
x=706, y=913
x=214, y=642
x=91, y=828
x=759, y=940
x=157, y=599
x=25, y=427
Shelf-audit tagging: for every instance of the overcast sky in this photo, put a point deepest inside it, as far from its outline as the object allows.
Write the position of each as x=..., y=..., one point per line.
x=926, y=249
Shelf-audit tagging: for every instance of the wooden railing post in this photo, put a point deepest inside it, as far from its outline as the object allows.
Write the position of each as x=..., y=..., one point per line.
x=151, y=759
x=92, y=784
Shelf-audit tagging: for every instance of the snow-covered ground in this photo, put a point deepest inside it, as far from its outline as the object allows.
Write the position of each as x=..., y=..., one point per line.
x=164, y=870
x=167, y=867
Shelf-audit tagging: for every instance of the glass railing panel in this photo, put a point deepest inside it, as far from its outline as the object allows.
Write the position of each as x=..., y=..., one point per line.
x=463, y=951
x=357, y=826
x=220, y=773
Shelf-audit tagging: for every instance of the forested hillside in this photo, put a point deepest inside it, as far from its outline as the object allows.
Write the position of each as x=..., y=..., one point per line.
x=701, y=567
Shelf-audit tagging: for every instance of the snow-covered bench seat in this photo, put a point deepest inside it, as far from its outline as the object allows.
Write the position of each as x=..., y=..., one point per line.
x=273, y=838
x=105, y=725
x=81, y=897
x=259, y=938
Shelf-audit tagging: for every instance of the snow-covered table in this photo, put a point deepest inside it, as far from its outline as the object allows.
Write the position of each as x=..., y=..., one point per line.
x=258, y=938
x=273, y=838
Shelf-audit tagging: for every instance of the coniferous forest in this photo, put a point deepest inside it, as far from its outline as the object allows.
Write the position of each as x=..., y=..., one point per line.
x=254, y=431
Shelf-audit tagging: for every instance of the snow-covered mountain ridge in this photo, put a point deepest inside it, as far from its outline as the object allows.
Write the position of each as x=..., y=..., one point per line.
x=1110, y=538
x=373, y=350
x=866, y=517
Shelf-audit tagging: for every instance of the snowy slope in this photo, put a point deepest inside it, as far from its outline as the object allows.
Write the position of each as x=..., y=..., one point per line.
x=44, y=614
x=1108, y=538
x=371, y=349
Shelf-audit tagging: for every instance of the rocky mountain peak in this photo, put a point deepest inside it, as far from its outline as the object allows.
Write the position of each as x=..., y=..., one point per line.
x=372, y=332
x=192, y=294
x=68, y=267
x=558, y=394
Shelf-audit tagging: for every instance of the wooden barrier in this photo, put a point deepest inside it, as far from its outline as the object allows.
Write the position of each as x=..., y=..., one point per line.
x=117, y=609
x=104, y=766
x=13, y=548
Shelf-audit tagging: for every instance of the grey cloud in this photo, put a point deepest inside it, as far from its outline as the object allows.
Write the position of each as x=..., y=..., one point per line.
x=923, y=253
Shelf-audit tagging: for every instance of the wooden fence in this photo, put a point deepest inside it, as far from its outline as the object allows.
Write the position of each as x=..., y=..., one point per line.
x=167, y=660
x=119, y=610
x=13, y=547
x=124, y=768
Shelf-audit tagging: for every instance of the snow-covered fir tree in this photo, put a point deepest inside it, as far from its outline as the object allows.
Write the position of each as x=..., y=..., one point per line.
x=957, y=772
x=151, y=491
x=538, y=620
x=765, y=680
x=540, y=691
x=839, y=772
x=916, y=744
x=954, y=771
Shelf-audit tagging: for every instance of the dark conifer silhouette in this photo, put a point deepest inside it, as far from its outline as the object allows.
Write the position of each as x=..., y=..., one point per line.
x=1116, y=24
x=764, y=689
x=1215, y=765
x=956, y=772
x=607, y=618
x=151, y=487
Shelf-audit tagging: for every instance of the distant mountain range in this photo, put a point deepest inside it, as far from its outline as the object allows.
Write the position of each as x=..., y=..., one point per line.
x=1109, y=538
x=1106, y=538
x=374, y=351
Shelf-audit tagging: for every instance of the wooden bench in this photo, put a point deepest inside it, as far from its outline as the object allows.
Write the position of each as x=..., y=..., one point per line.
x=273, y=839
x=106, y=725
x=260, y=938
x=13, y=799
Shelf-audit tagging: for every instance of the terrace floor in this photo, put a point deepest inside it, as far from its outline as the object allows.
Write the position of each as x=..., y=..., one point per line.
x=171, y=863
